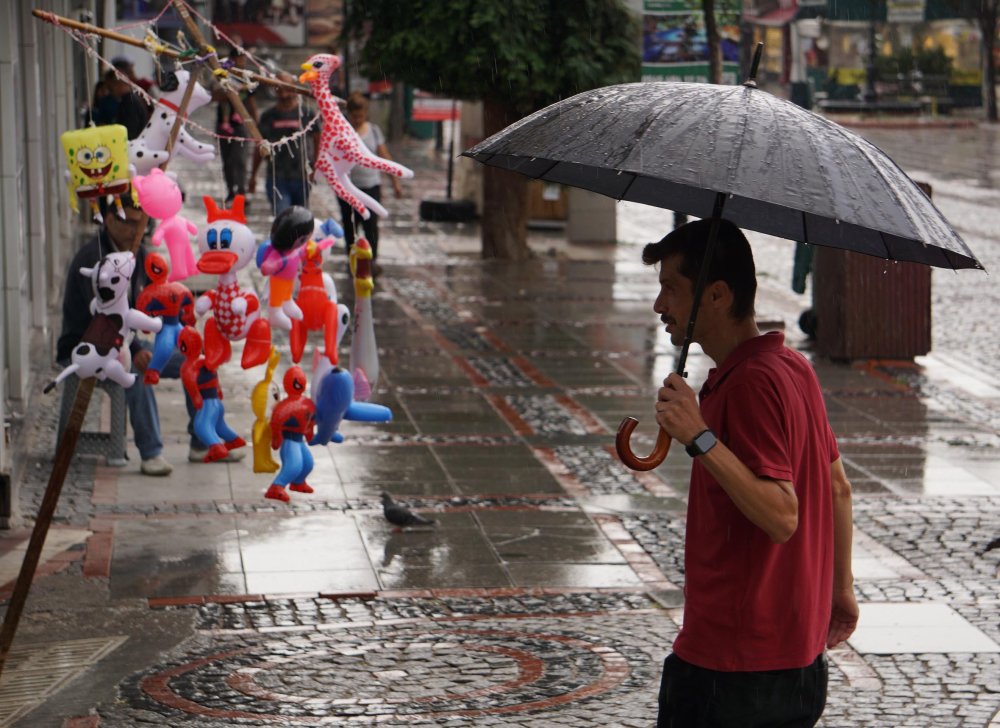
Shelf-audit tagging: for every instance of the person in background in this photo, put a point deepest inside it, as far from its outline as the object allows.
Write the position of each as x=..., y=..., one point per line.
x=287, y=180
x=132, y=111
x=231, y=126
x=367, y=180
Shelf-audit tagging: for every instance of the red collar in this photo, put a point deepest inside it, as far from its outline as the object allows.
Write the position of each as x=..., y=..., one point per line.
x=170, y=105
x=771, y=341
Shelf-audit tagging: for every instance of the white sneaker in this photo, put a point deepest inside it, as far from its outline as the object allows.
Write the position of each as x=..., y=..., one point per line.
x=156, y=466
x=197, y=455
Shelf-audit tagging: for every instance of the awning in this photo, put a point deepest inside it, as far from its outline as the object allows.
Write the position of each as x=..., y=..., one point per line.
x=774, y=18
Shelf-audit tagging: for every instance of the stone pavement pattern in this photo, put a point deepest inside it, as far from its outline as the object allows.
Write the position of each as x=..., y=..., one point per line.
x=548, y=592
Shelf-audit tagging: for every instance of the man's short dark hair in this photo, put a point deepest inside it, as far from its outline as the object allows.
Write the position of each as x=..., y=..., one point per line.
x=732, y=262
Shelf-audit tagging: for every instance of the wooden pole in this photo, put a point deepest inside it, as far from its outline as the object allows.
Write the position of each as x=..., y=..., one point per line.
x=213, y=63
x=169, y=52
x=49, y=501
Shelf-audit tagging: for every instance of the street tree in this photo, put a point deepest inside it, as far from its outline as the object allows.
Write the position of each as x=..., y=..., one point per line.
x=714, y=44
x=986, y=14
x=516, y=56
x=728, y=12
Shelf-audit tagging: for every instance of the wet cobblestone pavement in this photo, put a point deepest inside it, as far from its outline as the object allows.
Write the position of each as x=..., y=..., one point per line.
x=548, y=592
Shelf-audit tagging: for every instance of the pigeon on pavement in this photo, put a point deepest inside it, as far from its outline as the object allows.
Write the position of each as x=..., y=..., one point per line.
x=401, y=516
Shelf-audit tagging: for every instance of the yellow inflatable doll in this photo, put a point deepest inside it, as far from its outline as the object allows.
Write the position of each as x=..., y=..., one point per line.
x=263, y=461
x=97, y=157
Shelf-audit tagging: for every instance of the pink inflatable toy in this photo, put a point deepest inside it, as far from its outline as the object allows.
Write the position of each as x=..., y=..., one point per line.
x=160, y=198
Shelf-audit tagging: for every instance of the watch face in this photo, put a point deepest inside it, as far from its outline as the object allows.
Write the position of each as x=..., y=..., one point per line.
x=701, y=444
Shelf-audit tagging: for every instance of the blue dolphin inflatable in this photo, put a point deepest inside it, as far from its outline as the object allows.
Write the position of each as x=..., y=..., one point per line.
x=333, y=396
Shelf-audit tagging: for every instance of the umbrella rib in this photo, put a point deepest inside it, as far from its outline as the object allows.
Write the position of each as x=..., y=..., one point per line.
x=737, y=154
x=878, y=170
x=814, y=149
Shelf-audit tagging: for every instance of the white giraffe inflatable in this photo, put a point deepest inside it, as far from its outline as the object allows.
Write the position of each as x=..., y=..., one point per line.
x=149, y=149
x=340, y=147
x=103, y=349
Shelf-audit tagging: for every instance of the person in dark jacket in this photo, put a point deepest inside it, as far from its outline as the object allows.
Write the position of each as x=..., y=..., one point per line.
x=116, y=236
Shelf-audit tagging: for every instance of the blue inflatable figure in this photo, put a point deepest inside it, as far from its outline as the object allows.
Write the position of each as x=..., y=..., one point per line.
x=333, y=393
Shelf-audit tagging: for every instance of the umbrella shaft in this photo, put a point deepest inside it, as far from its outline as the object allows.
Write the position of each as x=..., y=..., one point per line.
x=699, y=286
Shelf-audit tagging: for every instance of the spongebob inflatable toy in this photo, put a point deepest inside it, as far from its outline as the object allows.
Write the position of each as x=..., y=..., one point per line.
x=97, y=158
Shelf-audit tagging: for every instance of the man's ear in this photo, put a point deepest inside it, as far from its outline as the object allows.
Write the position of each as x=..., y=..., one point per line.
x=718, y=292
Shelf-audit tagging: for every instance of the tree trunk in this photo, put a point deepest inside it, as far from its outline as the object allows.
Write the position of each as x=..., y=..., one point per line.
x=714, y=46
x=988, y=27
x=505, y=196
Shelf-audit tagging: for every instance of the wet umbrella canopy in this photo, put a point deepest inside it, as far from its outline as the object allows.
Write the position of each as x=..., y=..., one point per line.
x=735, y=153
x=784, y=170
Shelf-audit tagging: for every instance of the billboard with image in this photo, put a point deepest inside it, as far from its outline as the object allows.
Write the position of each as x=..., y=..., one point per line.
x=675, y=44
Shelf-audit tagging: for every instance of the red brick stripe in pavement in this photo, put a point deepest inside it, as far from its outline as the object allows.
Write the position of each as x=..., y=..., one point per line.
x=99, y=549
x=84, y=721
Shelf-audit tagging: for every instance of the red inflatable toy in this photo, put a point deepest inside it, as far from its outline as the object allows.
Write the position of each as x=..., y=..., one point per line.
x=172, y=303
x=201, y=382
x=292, y=424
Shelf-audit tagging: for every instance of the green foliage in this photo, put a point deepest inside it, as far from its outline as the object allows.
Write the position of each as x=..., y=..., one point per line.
x=525, y=53
x=933, y=62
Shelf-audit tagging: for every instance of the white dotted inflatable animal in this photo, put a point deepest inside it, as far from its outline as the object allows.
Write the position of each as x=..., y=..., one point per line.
x=149, y=149
x=103, y=351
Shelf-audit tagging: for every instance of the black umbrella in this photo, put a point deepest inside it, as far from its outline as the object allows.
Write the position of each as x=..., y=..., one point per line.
x=735, y=153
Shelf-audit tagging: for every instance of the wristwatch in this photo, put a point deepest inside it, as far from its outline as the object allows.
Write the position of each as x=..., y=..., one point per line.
x=701, y=444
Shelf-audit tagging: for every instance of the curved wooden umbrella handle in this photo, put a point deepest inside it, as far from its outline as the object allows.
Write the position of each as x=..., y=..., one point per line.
x=624, y=447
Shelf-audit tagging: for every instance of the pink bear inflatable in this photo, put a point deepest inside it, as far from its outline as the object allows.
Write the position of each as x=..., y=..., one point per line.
x=160, y=198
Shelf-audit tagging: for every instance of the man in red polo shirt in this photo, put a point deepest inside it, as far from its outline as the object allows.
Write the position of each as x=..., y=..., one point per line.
x=768, y=582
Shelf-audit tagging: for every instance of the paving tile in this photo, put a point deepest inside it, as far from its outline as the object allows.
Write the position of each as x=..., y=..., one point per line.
x=588, y=576
x=889, y=629
x=379, y=464
x=563, y=545
x=176, y=557
x=311, y=581
x=402, y=575
x=301, y=543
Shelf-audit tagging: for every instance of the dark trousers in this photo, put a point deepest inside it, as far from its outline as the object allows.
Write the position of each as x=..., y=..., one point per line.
x=234, y=167
x=694, y=697
x=348, y=217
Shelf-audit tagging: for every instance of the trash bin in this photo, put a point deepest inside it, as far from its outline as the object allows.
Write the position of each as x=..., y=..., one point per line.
x=870, y=308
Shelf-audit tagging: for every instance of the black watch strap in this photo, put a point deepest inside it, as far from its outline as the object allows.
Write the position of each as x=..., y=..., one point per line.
x=701, y=444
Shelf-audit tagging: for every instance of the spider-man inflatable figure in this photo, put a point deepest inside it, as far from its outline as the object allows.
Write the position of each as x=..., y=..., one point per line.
x=292, y=423
x=202, y=385
x=172, y=303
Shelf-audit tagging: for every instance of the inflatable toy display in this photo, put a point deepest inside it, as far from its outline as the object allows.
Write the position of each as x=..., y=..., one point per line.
x=364, y=351
x=333, y=394
x=292, y=423
x=173, y=304
x=280, y=257
x=201, y=382
x=149, y=149
x=317, y=299
x=227, y=247
x=160, y=198
x=97, y=158
x=263, y=392
x=340, y=147
x=103, y=350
